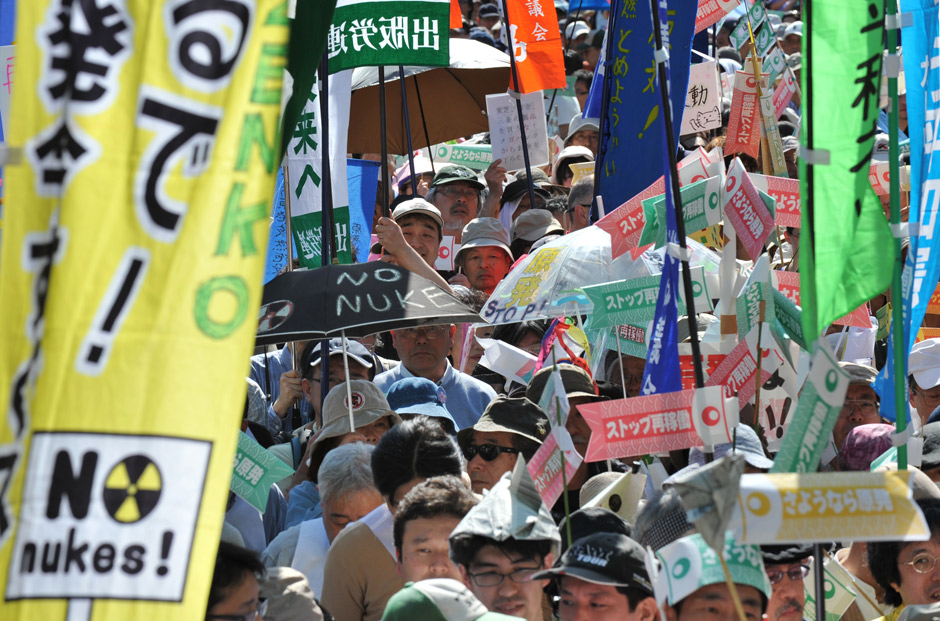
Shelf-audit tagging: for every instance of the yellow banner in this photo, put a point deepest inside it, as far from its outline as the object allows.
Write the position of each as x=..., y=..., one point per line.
x=827, y=506
x=132, y=258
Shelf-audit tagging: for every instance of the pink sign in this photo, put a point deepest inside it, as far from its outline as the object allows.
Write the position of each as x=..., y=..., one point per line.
x=786, y=193
x=545, y=467
x=744, y=122
x=738, y=371
x=710, y=11
x=625, y=223
x=746, y=211
x=657, y=423
x=788, y=283
x=784, y=92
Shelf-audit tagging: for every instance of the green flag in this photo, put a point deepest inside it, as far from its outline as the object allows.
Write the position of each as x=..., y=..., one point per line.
x=845, y=233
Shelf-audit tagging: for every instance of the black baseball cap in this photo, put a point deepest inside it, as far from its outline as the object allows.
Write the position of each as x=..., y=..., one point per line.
x=604, y=558
x=455, y=173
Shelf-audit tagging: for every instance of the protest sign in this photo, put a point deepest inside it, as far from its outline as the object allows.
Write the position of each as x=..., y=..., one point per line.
x=839, y=591
x=745, y=210
x=580, y=170
x=123, y=498
x=536, y=45
x=659, y=422
x=703, y=99
x=632, y=340
x=784, y=92
x=786, y=194
x=445, y=254
x=475, y=156
x=789, y=317
x=554, y=400
x=546, y=465
x=625, y=224
x=524, y=297
x=883, y=315
x=701, y=207
x=509, y=361
x=504, y=130
x=788, y=283
x=711, y=11
x=879, y=175
x=753, y=305
x=744, y=124
x=254, y=472
x=622, y=496
x=927, y=333
x=816, y=413
x=623, y=301
x=375, y=32
x=711, y=358
x=774, y=64
x=755, y=17
x=770, y=131
x=827, y=506
x=738, y=371
x=763, y=38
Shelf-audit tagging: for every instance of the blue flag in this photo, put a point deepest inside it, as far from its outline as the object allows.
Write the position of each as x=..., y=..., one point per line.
x=630, y=146
x=277, y=233
x=7, y=21
x=922, y=266
x=363, y=179
x=661, y=373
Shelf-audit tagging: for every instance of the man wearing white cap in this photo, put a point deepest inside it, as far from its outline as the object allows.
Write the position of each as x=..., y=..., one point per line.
x=421, y=225
x=923, y=367
x=484, y=256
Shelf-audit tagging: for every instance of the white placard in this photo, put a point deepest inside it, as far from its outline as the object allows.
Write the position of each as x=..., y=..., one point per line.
x=504, y=130
x=702, y=100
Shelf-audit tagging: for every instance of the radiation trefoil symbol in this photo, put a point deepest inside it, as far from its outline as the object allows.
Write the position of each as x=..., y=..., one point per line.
x=132, y=489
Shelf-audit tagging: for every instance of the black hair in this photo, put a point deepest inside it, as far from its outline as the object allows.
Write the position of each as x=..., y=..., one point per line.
x=464, y=548
x=883, y=555
x=447, y=495
x=232, y=565
x=584, y=75
x=417, y=448
x=512, y=333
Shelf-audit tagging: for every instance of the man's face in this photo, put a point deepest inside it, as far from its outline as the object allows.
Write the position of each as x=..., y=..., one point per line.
x=714, y=603
x=517, y=598
x=458, y=202
x=488, y=22
x=585, y=138
x=424, y=350
x=860, y=408
x=917, y=588
x=422, y=234
x=591, y=56
x=581, y=88
x=484, y=474
x=347, y=509
x=525, y=204
x=925, y=401
x=425, y=550
x=311, y=387
x=485, y=266
x=577, y=426
x=632, y=374
x=788, y=597
x=241, y=599
x=791, y=44
x=586, y=601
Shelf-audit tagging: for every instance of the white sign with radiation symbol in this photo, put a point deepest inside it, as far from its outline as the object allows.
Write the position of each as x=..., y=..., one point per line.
x=107, y=516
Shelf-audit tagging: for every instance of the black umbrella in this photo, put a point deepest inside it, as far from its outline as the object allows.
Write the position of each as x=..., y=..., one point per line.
x=352, y=300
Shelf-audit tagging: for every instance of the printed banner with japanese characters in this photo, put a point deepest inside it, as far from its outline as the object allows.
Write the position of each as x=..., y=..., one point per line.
x=536, y=44
x=703, y=99
x=745, y=210
x=556, y=454
x=659, y=423
x=379, y=32
x=744, y=122
x=132, y=271
x=827, y=506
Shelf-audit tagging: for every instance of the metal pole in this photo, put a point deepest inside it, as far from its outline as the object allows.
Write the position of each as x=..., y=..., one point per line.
x=404, y=109
x=326, y=208
x=383, y=134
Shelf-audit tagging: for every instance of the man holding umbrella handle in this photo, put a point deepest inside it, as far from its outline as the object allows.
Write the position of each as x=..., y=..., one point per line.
x=398, y=252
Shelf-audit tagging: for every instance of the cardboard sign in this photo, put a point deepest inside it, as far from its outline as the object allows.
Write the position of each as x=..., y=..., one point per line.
x=701, y=207
x=839, y=591
x=659, y=422
x=827, y=506
x=702, y=100
x=738, y=371
x=632, y=340
x=624, y=301
x=784, y=92
x=786, y=194
x=254, y=472
x=816, y=413
x=546, y=465
x=745, y=210
x=625, y=224
x=711, y=359
x=744, y=122
x=475, y=156
x=504, y=130
x=711, y=11
x=446, y=253
x=756, y=16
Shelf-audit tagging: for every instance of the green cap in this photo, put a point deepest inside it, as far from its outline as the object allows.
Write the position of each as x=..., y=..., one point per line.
x=438, y=599
x=454, y=173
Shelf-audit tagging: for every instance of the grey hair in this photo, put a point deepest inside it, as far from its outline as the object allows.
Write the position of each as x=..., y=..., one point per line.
x=581, y=192
x=346, y=470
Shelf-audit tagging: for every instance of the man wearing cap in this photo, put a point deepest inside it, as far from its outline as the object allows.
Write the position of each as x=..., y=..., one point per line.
x=786, y=567
x=421, y=226
x=792, y=38
x=438, y=599
x=591, y=49
x=576, y=33
x=923, y=367
x=692, y=581
x=861, y=402
x=930, y=458
x=423, y=353
x=484, y=256
x=602, y=577
x=515, y=200
x=416, y=396
x=578, y=215
x=455, y=191
x=530, y=227
x=503, y=542
x=358, y=359
x=424, y=171
x=583, y=132
x=488, y=16
x=507, y=429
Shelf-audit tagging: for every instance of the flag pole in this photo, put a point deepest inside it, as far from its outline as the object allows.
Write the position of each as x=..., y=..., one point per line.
x=897, y=322
x=326, y=208
x=404, y=109
x=383, y=135
x=516, y=95
x=427, y=136
x=604, y=124
x=661, y=55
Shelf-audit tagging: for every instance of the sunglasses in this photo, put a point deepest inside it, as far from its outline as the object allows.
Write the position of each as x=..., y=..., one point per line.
x=488, y=452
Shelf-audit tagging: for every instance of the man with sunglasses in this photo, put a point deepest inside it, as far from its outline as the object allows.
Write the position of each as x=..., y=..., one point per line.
x=507, y=429
x=423, y=353
x=786, y=568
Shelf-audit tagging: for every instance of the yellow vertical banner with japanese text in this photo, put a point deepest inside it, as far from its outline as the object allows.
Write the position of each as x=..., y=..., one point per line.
x=133, y=247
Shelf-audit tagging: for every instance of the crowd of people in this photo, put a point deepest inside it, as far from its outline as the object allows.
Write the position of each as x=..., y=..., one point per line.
x=424, y=508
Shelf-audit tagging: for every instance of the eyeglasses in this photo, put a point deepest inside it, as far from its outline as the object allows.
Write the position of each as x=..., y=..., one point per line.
x=257, y=613
x=431, y=333
x=488, y=452
x=794, y=573
x=466, y=193
x=863, y=405
x=923, y=563
x=494, y=578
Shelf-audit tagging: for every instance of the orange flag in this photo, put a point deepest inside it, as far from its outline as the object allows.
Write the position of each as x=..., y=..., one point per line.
x=456, y=19
x=536, y=43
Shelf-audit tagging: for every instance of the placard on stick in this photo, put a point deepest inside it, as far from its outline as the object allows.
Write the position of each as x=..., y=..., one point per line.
x=504, y=130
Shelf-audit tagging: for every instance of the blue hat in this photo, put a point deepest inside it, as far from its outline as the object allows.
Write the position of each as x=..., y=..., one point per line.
x=417, y=395
x=354, y=349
